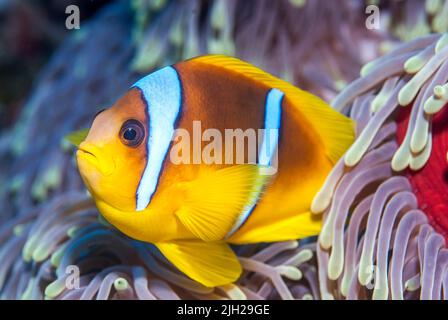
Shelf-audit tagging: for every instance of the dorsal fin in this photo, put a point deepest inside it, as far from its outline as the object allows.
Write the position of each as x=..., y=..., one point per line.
x=335, y=129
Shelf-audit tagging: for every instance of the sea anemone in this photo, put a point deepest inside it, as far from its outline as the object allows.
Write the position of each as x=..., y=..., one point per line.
x=62, y=251
x=383, y=235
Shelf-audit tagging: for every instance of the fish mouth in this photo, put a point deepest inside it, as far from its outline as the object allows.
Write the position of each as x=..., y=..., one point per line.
x=89, y=153
x=86, y=153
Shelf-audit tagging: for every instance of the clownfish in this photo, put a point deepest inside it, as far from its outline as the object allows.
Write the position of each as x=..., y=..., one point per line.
x=192, y=211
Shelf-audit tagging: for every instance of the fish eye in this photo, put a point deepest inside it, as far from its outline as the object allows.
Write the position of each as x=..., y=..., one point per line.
x=132, y=133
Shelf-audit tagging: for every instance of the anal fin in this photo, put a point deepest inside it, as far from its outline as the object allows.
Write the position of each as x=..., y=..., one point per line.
x=297, y=226
x=209, y=263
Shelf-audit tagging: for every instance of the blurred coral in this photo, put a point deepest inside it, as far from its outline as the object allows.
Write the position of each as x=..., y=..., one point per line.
x=29, y=31
x=70, y=90
x=314, y=44
x=410, y=19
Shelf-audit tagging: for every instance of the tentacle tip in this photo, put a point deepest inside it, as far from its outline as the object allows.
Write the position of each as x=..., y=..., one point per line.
x=319, y=204
x=398, y=163
x=39, y=256
x=413, y=64
x=327, y=296
x=365, y=272
x=351, y=159
x=379, y=294
x=334, y=268
x=417, y=145
x=404, y=98
x=415, y=165
x=306, y=254
x=412, y=284
x=325, y=242
x=121, y=284
x=290, y=272
x=52, y=290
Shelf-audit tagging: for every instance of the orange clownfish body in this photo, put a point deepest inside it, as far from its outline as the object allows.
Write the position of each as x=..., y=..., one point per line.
x=165, y=165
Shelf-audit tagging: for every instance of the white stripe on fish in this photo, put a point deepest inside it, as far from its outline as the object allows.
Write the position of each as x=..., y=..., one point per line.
x=272, y=123
x=162, y=92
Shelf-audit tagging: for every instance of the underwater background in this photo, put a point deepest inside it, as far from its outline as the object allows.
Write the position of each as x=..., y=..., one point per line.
x=385, y=204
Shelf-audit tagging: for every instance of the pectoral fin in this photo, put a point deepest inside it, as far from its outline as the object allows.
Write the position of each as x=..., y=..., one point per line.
x=210, y=263
x=77, y=137
x=217, y=199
